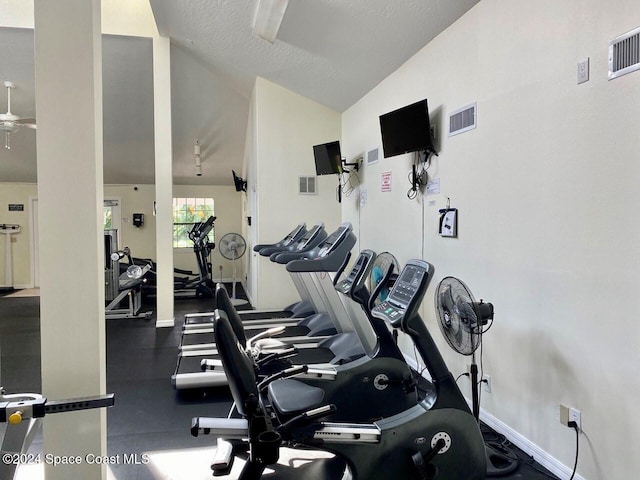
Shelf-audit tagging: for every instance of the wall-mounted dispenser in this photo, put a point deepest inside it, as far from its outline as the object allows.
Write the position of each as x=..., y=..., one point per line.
x=138, y=219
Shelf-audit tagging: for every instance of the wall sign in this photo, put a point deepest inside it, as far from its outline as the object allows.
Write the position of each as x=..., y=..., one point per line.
x=16, y=207
x=385, y=181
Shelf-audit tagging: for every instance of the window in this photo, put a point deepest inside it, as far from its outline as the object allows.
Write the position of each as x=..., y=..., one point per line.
x=111, y=214
x=186, y=213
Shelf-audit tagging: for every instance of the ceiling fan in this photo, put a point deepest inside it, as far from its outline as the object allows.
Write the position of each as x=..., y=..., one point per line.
x=10, y=123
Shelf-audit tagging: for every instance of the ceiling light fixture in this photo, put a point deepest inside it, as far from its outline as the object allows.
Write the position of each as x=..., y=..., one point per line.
x=269, y=15
x=196, y=155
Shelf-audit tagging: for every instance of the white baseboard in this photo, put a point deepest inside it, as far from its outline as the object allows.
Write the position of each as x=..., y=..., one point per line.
x=166, y=323
x=246, y=292
x=228, y=280
x=539, y=455
x=17, y=287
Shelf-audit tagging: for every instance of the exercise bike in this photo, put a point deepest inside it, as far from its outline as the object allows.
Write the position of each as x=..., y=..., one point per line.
x=370, y=367
x=436, y=439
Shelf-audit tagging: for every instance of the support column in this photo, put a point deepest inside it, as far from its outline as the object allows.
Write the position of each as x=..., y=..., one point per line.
x=164, y=180
x=68, y=85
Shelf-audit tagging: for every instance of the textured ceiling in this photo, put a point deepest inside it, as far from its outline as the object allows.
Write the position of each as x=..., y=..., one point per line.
x=331, y=51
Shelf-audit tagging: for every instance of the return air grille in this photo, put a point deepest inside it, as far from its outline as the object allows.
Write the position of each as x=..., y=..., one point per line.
x=307, y=186
x=462, y=120
x=373, y=156
x=624, y=54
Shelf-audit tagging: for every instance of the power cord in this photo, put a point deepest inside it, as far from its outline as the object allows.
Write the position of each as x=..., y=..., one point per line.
x=574, y=425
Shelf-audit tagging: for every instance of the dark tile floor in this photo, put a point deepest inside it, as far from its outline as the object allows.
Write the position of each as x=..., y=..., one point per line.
x=149, y=415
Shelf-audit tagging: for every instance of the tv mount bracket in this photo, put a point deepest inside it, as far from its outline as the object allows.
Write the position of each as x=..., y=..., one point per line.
x=355, y=165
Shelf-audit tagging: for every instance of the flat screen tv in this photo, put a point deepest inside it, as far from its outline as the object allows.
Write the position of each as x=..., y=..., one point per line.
x=406, y=130
x=239, y=182
x=328, y=158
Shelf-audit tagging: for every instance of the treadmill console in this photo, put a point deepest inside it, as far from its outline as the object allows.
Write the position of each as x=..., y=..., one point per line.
x=356, y=273
x=306, y=238
x=406, y=295
x=289, y=239
x=331, y=242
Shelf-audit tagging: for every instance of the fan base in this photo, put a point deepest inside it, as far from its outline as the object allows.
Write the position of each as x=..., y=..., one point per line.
x=238, y=301
x=500, y=460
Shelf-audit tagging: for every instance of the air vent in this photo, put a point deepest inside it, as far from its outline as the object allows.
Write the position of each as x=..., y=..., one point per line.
x=372, y=156
x=624, y=54
x=462, y=120
x=307, y=186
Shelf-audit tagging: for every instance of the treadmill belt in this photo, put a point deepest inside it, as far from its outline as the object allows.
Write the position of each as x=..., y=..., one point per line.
x=249, y=315
x=192, y=364
x=209, y=337
x=198, y=338
x=312, y=355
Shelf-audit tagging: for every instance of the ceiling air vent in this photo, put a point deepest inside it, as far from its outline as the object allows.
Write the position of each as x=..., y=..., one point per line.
x=307, y=186
x=624, y=54
x=462, y=120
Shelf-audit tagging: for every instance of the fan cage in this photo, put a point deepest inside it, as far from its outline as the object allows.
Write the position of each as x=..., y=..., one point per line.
x=458, y=317
x=379, y=269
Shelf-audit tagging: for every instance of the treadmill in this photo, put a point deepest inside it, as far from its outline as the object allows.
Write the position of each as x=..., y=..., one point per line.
x=330, y=256
x=293, y=236
x=299, y=240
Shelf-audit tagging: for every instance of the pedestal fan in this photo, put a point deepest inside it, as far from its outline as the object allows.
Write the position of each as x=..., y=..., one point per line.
x=381, y=266
x=232, y=246
x=462, y=321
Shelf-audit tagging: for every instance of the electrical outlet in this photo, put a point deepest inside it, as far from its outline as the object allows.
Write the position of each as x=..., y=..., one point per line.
x=570, y=414
x=486, y=383
x=575, y=416
x=583, y=71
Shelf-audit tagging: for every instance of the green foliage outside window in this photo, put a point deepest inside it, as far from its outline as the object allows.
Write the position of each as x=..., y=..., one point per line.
x=187, y=212
x=108, y=218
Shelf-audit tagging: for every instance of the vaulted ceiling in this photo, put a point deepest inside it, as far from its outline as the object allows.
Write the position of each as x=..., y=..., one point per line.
x=331, y=51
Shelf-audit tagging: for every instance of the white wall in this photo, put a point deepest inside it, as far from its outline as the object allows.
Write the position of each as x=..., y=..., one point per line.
x=546, y=188
x=17, y=193
x=284, y=127
x=141, y=241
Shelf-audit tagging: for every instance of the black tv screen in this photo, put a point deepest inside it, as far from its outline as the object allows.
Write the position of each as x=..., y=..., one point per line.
x=240, y=184
x=328, y=158
x=406, y=130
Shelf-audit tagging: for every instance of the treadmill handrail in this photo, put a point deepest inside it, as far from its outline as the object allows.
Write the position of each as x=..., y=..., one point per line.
x=323, y=258
x=292, y=236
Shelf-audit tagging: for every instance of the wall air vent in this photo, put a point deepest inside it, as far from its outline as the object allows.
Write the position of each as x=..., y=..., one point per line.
x=462, y=120
x=372, y=156
x=307, y=186
x=624, y=54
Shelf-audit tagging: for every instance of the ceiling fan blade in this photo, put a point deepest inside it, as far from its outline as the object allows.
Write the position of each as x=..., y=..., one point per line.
x=28, y=122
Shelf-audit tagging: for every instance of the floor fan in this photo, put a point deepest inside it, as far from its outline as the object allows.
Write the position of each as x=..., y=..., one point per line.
x=383, y=262
x=232, y=246
x=462, y=321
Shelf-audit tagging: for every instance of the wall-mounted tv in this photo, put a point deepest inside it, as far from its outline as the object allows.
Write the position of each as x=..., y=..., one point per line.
x=239, y=182
x=406, y=130
x=328, y=158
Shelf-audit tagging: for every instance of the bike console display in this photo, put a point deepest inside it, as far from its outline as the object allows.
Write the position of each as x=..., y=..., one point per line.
x=406, y=295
